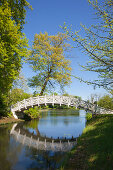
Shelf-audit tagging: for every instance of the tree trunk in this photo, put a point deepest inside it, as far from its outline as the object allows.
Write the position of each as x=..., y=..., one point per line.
x=46, y=81
x=44, y=86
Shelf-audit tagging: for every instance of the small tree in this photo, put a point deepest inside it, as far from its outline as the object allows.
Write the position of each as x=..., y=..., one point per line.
x=48, y=61
x=17, y=95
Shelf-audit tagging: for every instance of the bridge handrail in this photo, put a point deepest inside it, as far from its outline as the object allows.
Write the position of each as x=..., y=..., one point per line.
x=45, y=99
x=52, y=99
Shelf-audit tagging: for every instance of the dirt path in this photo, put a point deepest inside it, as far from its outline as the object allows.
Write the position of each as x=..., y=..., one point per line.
x=5, y=120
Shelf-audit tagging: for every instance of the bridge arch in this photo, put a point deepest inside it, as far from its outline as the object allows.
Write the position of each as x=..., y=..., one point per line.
x=61, y=100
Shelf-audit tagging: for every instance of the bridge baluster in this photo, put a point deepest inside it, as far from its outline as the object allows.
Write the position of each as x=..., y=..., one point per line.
x=19, y=106
x=68, y=101
x=25, y=103
x=53, y=100
x=60, y=100
x=31, y=101
x=45, y=143
x=45, y=100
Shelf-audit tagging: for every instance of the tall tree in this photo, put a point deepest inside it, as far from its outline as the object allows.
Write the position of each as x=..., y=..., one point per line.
x=98, y=43
x=18, y=10
x=13, y=45
x=48, y=61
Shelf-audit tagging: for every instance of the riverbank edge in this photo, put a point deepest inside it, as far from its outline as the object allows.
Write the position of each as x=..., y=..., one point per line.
x=8, y=120
x=83, y=156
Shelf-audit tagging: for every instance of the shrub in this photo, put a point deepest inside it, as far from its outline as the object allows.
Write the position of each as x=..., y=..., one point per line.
x=89, y=116
x=106, y=102
x=31, y=113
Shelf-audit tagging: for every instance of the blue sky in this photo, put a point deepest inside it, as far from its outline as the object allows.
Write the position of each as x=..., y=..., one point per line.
x=49, y=15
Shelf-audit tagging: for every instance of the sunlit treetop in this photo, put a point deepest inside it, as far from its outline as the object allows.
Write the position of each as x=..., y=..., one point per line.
x=48, y=61
x=18, y=10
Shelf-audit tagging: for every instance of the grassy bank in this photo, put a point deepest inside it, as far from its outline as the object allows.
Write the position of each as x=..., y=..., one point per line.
x=94, y=150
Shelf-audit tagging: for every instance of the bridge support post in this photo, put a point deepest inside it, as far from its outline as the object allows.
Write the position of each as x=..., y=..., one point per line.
x=53, y=100
x=45, y=100
x=25, y=104
x=31, y=101
x=38, y=99
x=60, y=100
x=18, y=106
x=69, y=102
x=45, y=144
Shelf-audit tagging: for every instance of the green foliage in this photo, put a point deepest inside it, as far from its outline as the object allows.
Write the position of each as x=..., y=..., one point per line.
x=97, y=43
x=44, y=106
x=89, y=116
x=10, y=114
x=48, y=61
x=18, y=10
x=13, y=45
x=106, y=102
x=17, y=95
x=61, y=107
x=31, y=113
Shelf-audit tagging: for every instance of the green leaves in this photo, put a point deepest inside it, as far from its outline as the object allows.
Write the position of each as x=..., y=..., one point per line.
x=48, y=61
x=12, y=48
x=98, y=43
x=106, y=102
x=13, y=45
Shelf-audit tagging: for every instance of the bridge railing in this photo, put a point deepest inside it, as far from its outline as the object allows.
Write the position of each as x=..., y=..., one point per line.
x=61, y=100
x=45, y=100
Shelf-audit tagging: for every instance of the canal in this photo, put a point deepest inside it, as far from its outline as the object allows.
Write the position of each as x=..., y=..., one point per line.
x=40, y=144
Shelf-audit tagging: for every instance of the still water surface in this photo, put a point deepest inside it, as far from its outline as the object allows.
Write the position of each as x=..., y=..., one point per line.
x=18, y=150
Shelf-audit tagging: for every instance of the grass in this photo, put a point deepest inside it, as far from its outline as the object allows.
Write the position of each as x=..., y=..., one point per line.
x=94, y=150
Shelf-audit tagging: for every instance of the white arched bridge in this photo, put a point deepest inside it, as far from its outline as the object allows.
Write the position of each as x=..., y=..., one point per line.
x=47, y=100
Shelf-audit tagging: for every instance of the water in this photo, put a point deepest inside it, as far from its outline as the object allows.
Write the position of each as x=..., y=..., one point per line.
x=40, y=144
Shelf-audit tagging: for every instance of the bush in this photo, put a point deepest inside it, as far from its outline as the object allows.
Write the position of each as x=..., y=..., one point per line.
x=31, y=113
x=106, y=102
x=89, y=116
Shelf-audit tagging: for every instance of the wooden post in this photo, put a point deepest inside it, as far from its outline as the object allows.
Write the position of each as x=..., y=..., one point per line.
x=60, y=145
x=38, y=99
x=45, y=143
x=68, y=101
x=60, y=100
x=31, y=101
x=52, y=143
x=25, y=103
x=45, y=100
x=18, y=106
x=53, y=100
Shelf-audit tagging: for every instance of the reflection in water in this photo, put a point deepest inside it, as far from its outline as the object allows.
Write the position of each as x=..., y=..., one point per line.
x=41, y=143
x=15, y=154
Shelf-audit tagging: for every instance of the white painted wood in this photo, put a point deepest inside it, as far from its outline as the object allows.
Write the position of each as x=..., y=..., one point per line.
x=61, y=100
x=53, y=100
x=45, y=100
